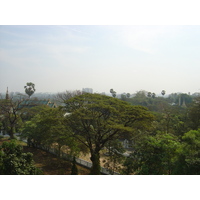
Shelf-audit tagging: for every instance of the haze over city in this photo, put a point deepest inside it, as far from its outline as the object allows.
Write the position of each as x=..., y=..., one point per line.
x=125, y=58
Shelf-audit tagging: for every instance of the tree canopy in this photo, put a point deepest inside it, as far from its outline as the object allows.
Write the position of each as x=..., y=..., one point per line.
x=162, y=132
x=97, y=119
x=47, y=128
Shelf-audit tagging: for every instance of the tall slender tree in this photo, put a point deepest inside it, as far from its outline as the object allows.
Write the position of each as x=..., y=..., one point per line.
x=29, y=89
x=128, y=95
x=149, y=94
x=153, y=95
x=113, y=92
x=163, y=92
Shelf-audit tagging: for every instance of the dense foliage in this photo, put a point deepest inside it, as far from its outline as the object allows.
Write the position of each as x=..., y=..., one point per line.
x=48, y=127
x=14, y=162
x=10, y=116
x=163, y=132
x=165, y=154
x=96, y=119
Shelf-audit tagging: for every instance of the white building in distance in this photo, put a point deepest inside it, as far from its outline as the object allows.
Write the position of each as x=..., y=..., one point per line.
x=87, y=90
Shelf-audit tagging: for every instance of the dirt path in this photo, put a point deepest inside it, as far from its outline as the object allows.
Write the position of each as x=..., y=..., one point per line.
x=51, y=165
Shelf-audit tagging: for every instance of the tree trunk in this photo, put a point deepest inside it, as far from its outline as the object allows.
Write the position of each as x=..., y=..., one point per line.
x=59, y=150
x=95, y=158
x=74, y=170
x=11, y=133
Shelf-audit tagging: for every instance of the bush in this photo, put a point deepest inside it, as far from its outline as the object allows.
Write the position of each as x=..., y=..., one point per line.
x=14, y=162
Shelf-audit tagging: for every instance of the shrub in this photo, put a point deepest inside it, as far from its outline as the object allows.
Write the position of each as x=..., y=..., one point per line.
x=14, y=162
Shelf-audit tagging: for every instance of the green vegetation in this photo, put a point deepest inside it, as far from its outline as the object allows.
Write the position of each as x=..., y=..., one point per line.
x=172, y=145
x=96, y=119
x=163, y=132
x=165, y=154
x=113, y=92
x=154, y=155
x=14, y=162
x=48, y=127
x=10, y=118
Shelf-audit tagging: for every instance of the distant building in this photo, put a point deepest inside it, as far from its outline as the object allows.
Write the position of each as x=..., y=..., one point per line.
x=87, y=90
x=32, y=103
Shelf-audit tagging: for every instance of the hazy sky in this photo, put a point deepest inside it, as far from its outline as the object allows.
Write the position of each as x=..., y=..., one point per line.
x=125, y=58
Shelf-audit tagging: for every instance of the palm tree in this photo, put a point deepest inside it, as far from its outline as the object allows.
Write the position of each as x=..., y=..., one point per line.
x=113, y=92
x=163, y=92
x=29, y=89
x=149, y=94
x=153, y=95
x=128, y=95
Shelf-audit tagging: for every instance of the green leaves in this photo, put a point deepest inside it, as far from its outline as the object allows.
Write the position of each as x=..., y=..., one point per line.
x=189, y=154
x=154, y=155
x=96, y=120
x=166, y=154
x=14, y=162
x=194, y=113
x=48, y=128
x=104, y=113
x=44, y=125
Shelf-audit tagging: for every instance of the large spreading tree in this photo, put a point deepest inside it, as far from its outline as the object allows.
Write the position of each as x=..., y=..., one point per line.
x=97, y=119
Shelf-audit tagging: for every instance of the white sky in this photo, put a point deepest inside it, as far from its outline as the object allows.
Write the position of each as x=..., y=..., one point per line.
x=127, y=58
